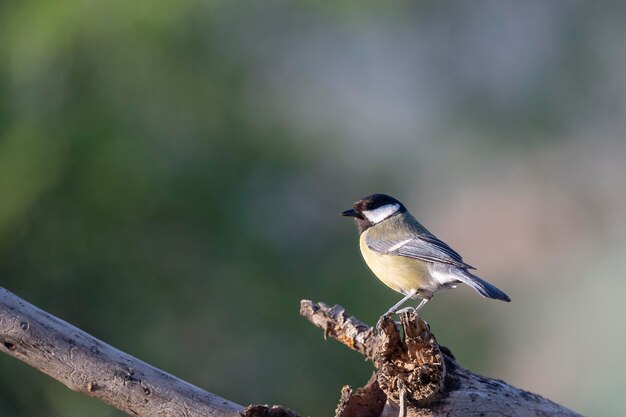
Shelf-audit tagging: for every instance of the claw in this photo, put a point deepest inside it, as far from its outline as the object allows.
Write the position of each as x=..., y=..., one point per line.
x=407, y=310
x=380, y=321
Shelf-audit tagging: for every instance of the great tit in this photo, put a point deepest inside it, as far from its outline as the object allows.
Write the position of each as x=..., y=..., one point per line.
x=406, y=257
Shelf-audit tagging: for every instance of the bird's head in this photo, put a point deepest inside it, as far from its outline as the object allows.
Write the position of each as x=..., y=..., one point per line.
x=374, y=209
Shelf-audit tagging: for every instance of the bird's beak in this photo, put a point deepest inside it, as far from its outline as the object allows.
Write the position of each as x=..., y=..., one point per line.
x=349, y=213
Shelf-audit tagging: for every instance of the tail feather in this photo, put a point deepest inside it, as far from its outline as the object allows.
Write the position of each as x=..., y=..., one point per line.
x=483, y=287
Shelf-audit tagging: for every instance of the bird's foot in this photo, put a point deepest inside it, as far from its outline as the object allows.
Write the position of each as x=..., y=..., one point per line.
x=407, y=310
x=392, y=312
x=380, y=321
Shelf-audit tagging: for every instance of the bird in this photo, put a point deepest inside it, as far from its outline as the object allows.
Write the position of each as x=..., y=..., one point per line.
x=407, y=257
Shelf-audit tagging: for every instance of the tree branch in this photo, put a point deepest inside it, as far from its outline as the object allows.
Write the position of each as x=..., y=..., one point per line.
x=416, y=377
x=88, y=365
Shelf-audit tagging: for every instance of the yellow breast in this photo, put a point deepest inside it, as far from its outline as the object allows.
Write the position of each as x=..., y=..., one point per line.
x=399, y=273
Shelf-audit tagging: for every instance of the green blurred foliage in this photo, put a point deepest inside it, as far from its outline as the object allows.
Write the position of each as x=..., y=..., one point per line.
x=140, y=204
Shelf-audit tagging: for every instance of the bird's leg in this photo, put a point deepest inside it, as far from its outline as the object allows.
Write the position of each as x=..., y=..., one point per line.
x=395, y=307
x=422, y=304
x=417, y=309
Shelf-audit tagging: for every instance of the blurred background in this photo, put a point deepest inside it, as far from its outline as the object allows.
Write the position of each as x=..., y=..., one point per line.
x=171, y=174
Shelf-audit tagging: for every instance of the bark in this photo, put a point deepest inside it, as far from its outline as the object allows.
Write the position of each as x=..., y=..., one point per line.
x=88, y=365
x=415, y=376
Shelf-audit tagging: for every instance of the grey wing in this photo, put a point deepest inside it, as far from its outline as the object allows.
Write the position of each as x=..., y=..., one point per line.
x=424, y=246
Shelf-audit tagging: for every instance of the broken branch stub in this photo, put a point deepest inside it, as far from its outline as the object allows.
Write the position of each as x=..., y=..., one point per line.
x=413, y=362
x=413, y=366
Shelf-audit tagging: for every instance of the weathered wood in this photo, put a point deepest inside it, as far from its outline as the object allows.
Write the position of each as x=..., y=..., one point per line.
x=88, y=365
x=368, y=401
x=267, y=411
x=415, y=367
x=415, y=376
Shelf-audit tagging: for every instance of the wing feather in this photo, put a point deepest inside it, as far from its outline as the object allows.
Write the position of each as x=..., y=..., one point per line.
x=424, y=246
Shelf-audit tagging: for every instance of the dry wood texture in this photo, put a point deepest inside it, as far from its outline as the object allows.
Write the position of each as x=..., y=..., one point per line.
x=86, y=364
x=416, y=377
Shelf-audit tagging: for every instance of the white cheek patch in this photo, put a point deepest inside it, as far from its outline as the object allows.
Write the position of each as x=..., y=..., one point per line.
x=381, y=213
